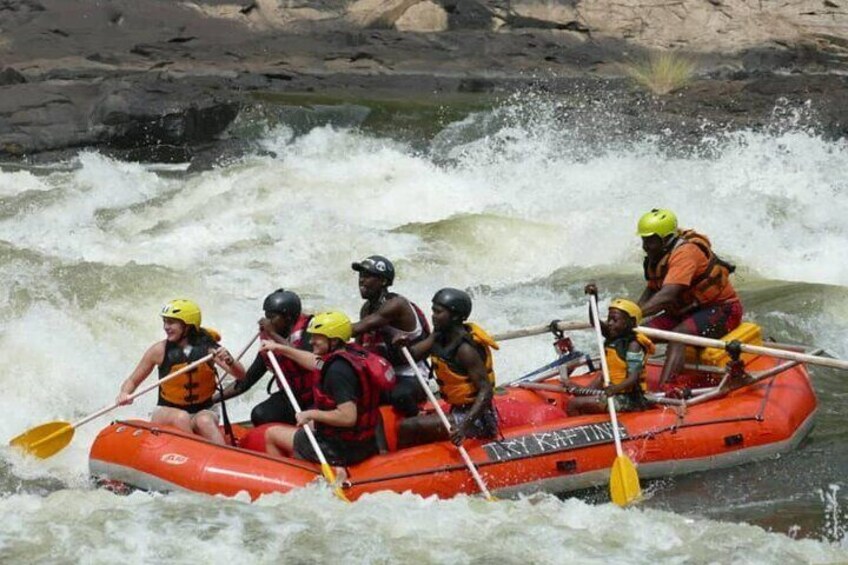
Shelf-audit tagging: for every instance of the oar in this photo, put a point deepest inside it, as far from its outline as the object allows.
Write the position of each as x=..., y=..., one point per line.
x=468, y=463
x=699, y=341
x=540, y=329
x=624, y=480
x=326, y=470
x=48, y=439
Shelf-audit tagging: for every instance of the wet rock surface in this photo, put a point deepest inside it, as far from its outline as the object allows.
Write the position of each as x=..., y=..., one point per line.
x=164, y=80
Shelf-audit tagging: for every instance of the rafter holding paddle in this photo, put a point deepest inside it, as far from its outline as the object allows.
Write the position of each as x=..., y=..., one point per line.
x=326, y=470
x=624, y=480
x=462, y=452
x=48, y=439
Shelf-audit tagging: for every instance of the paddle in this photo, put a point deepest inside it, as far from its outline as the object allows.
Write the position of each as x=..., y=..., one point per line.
x=431, y=397
x=326, y=470
x=754, y=349
x=540, y=329
x=624, y=480
x=48, y=439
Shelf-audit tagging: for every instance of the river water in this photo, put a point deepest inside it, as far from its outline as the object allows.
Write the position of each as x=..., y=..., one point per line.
x=507, y=202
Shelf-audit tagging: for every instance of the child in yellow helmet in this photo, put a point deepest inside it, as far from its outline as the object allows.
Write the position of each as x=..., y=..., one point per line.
x=627, y=354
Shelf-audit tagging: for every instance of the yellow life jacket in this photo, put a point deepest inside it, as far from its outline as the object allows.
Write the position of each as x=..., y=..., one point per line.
x=455, y=387
x=616, y=352
x=193, y=390
x=707, y=285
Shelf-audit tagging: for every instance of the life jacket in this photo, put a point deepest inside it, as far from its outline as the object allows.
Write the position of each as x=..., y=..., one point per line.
x=192, y=391
x=616, y=352
x=301, y=380
x=380, y=340
x=456, y=388
x=707, y=285
x=371, y=370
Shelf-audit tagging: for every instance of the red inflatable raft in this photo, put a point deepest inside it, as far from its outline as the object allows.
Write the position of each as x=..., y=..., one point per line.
x=541, y=449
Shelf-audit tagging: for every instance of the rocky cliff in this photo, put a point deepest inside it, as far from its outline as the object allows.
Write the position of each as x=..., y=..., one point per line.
x=155, y=75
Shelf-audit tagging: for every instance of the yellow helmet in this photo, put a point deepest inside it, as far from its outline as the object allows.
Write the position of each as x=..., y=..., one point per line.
x=628, y=307
x=659, y=221
x=332, y=325
x=184, y=310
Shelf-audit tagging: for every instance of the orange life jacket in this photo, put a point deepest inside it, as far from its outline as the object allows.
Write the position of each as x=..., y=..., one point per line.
x=616, y=352
x=707, y=285
x=455, y=387
x=192, y=391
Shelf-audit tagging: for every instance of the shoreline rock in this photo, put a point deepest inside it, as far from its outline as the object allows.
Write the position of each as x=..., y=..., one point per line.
x=162, y=80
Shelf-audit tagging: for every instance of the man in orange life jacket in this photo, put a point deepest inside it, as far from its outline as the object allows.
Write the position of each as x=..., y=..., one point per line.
x=184, y=401
x=284, y=323
x=688, y=282
x=346, y=409
x=461, y=353
x=626, y=354
x=384, y=318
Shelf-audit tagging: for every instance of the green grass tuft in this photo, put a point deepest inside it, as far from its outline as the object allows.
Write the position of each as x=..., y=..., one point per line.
x=662, y=73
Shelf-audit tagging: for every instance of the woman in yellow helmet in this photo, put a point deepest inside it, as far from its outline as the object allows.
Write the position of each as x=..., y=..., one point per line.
x=627, y=355
x=184, y=402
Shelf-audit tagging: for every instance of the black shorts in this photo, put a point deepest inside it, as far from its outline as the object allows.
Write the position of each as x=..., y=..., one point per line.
x=274, y=409
x=337, y=452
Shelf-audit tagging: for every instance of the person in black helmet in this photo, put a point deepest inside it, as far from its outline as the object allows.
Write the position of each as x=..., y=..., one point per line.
x=284, y=323
x=461, y=353
x=384, y=318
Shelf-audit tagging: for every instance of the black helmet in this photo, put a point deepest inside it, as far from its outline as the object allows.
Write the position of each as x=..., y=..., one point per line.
x=455, y=300
x=376, y=265
x=283, y=302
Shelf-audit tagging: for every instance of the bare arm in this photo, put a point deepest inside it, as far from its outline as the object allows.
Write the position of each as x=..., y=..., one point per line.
x=388, y=313
x=421, y=349
x=646, y=295
x=225, y=360
x=342, y=416
x=470, y=358
x=664, y=298
x=151, y=358
x=305, y=359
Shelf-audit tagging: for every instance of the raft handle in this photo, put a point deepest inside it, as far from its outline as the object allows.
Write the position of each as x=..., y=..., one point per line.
x=568, y=466
x=730, y=441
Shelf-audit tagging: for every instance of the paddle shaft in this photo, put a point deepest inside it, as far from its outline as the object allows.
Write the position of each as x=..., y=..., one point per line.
x=136, y=394
x=593, y=304
x=432, y=398
x=158, y=383
x=540, y=329
x=699, y=341
x=284, y=383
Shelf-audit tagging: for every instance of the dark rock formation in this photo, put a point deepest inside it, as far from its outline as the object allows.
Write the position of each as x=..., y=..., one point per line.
x=162, y=80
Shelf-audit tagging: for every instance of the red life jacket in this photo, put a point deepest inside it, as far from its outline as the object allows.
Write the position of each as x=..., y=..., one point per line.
x=368, y=402
x=301, y=380
x=379, y=341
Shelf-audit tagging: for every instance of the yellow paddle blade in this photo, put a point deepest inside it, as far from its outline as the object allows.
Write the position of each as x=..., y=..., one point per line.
x=45, y=440
x=624, y=482
x=330, y=477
